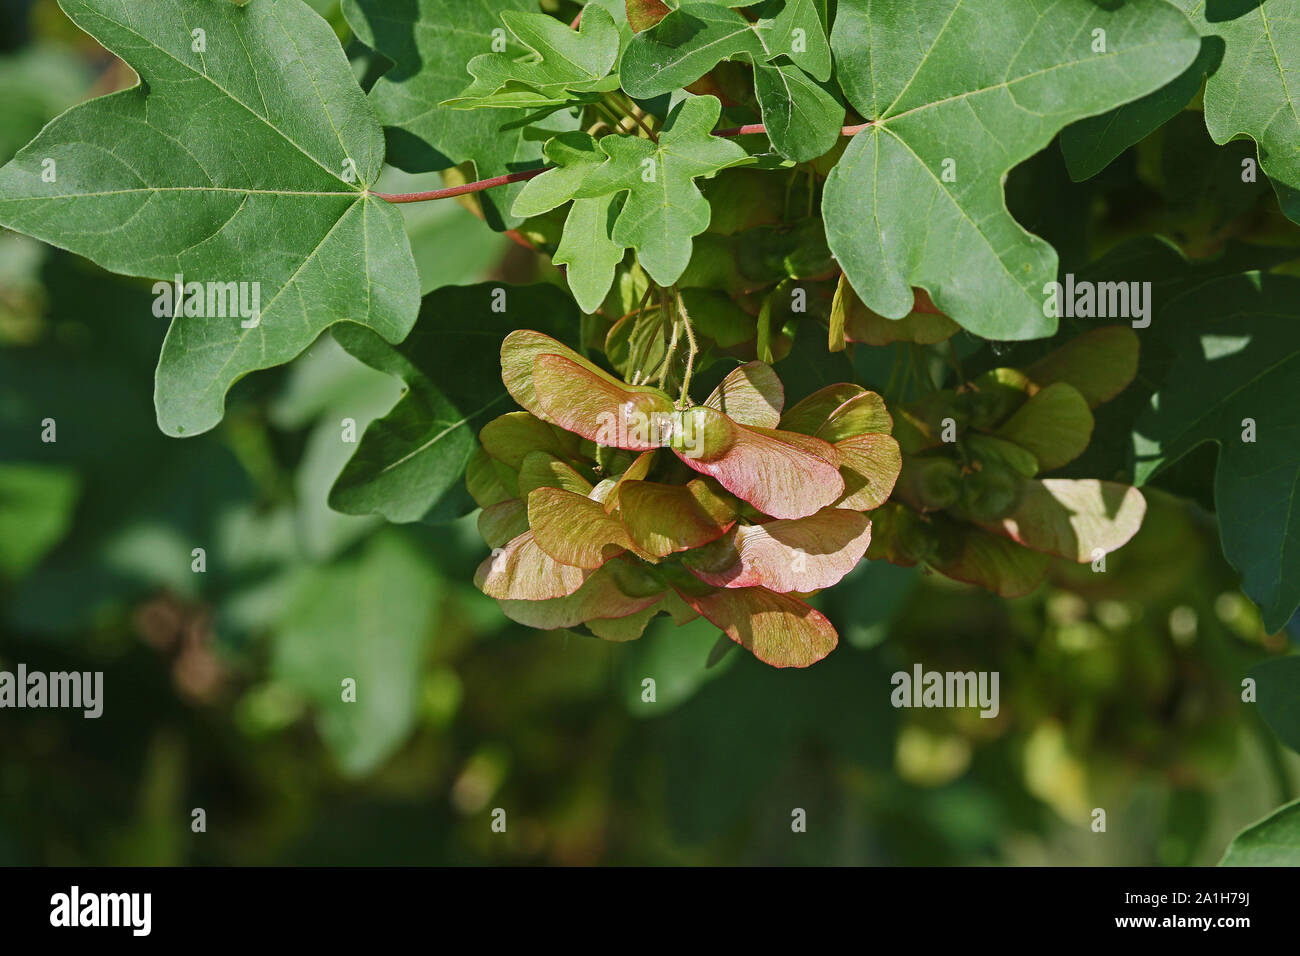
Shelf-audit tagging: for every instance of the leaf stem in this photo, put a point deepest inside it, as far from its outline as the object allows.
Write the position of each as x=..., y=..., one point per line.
x=755, y=128
x=693, y=348
x=612, y=119
x=956, y=362
x=635, y=113
x=509, y=178
x=463, y=189
x=668, y=359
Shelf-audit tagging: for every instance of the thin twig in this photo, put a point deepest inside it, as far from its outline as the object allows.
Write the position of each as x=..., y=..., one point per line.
x=956, y=362
x=509, y=178
x=636, y=115
x=463, y=189
x=690, y=355
x=755, y=128
x=668, y=359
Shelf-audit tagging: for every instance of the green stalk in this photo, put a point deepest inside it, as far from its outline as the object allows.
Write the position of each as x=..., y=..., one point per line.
x=685, y=396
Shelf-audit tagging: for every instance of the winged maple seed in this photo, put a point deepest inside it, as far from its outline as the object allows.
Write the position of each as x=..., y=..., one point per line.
x=606, y=505
x=968, y=502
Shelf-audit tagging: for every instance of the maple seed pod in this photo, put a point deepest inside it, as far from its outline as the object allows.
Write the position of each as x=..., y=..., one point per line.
x=714, y=557
x=613, y=461
x=994, y=397
x=700, y=432
x=929, y=483
x=915, y=539
x=635, y=579
x=991, y=493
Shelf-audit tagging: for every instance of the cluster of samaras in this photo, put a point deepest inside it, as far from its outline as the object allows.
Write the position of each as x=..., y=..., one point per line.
x=606, y=504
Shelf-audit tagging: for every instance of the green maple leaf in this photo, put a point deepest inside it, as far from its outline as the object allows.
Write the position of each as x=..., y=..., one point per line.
x=1240, y=363
x=410, y=463
x=1273, y=841
x=241, y=158
x=36, y=511
x=1255, y=91
x=917, y=199
x=431, y=43
x=786, y=45
x=664, y=209
x=564, y=64
x=1251, y=53
x=574, y=156
x=589, y=251
x=369, y=617
x=587, y=244
x=1091, y=144
x=1173, y=278
x=1277, y=682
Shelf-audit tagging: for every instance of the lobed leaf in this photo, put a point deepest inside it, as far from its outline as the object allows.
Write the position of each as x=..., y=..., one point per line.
x=801, y=111
x=1251, y=46
x=409, y=463
x=146, y=184
x=1233, y=384
x=917, y=198
x=561, y=63
x=664, y=209
x=430, y=43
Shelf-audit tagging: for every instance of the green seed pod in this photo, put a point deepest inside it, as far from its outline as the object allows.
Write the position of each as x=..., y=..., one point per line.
x=613, y=461
x=742, y=199
x=994, y=396
x=929, y=483
x=769, y=254
x=712, y=265
x=636, y=579
x=986, y=449
x=682, y=580
x=915, y=539
x=700, y=432
x=807, y=255
x=991, y=493
x=715, y=556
